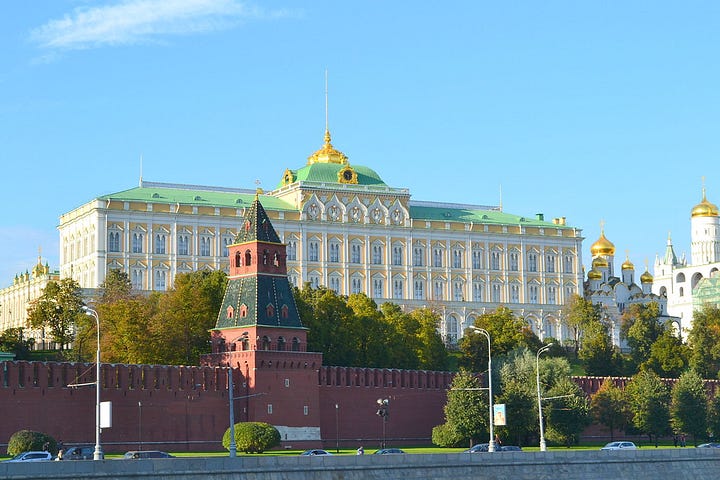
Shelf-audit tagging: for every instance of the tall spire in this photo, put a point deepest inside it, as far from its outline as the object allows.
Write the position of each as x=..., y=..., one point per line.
x=327, y=153
x=670, y=258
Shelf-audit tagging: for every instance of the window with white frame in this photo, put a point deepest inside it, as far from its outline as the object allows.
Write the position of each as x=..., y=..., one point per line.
x=291, y=250
x=113, y=241
x=438, y=290
x=418, y=255
x=314, y=281
x=477, y=289
x=335, y=284
x=397, y=254
x=377, y=254
x=160, y=280
x=136, y=278
x=550, y=263
x=532, y=262
x=205, y=243
x=514, y=293
x=496, y=293
x=334, y=252
x=452, y=330
x=552, y=295
x=293, y=278
x=398, y=288
x=458, y=292
x=495, y=260
x=437, y=257
x=137, y=242
x=378, y=288
x=514, y=264
x=569, y=291
x=183, y=244
x=568, y=264
x=226, y=241
x=419, y=289
x=356, y=285
x=313, y=251
x=533, y=293
x=476, y=259
x=355, y=253
x=457, y=258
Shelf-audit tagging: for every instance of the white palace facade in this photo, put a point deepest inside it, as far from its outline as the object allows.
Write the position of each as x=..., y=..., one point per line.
x=344, y=229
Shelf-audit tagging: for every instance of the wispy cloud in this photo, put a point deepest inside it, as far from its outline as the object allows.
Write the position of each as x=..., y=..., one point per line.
x=131, y=22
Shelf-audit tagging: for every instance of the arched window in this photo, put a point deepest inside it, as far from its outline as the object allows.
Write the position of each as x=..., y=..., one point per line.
x=265, y=343
x=248, y=258
x=281, y=344
x=238, y=259
x=295, y=344
x=270, y=311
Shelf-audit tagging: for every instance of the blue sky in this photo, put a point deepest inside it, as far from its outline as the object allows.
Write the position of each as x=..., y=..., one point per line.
x=588, y=110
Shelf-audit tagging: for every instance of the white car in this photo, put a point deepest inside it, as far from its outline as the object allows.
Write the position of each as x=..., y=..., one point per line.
x=31, y=457
x=620, y=446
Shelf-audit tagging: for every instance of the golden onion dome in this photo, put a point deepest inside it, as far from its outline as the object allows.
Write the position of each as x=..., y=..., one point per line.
x=602, y=246
x=594, y=275
x=704, y=208
x=600, y=262
x=327, y=153
x=646, y=277
x=627, y=265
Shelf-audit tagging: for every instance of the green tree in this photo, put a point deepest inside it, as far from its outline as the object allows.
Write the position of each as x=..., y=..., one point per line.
x=27, y=440
x=704, y=341
x=369, y=332
x=567, y=412
x=13, y=340
x=609, y=407
x=403, y=344
x=597, y=353
x=648, y=398
x=689, y=406
x=714, y=417
x=431, y=352
x=668, y=355
x=117, y=286
x=253, y=437
x=580, y=313
x=507, y=332
x=466, y=411
x=127, y=331
x=641, y=328
x=57, y=309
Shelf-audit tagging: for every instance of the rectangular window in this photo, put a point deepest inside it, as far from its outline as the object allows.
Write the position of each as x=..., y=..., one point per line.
x=160, y=281
x=476, y=259
x=533, y=289
x=532, y=262
x=378, y=288
x=377, y=254
x=137, y=279
x=568, y=264
x=226, y=241
x=515, y=294
x=355, y=253
x=457, y=258
x=287, y=382
x=437, y=257
x=418, y=253
x=513, y=262
x=356, y=284
x=183, y=245
x=269, y=408
x=137, y=243
x=496, y=297
x=419, y=290
x=397, y=256
x=551, y=295
x=398, y=289
x=159, y=243
x=335, y=284
x=205, y=246
x=495, y=260
x=313, y=249
x=439, y=290
x=550, y=261
x=306, y=410
x=477, y=292
x=458, y=292
x=114, y=241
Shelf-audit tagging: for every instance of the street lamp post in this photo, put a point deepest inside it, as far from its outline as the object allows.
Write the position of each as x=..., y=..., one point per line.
x=383, y=412
x=233, y=445
x=139, y=425
x=543, y=446
x=491, y=442
x=98, y=453
x=337, y=428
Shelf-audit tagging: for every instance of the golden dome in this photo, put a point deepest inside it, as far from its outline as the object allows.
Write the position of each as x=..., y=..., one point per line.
x=594, y=275
x=327, y=153
x=646, y=277
x=704, y=208
x=602, y=246
x=627, y=265
x=600, y=262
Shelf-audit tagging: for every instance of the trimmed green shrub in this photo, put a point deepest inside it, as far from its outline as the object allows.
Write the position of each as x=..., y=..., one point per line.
x=253, y=437
x=27, y=440
x=446, y=436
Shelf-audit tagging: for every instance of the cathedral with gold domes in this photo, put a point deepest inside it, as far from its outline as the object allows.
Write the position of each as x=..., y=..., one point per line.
x=616, y=293
x=688, y=286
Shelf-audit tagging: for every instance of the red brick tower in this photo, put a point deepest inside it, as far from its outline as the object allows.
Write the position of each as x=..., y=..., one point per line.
x=259, y=332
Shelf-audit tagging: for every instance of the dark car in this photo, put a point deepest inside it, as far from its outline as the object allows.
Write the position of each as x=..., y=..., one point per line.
x=388, y=451
x=84, y=452
x=510, y=448
x=315, y=452
x=147, y=454
x=480, y=447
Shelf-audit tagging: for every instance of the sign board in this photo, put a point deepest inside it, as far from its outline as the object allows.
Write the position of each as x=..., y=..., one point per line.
x=105, y=414
x=499, y=414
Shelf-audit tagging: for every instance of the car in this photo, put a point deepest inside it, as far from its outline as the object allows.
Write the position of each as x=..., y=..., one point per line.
x=31, y=457
x=84, y=452
x=388, y=451
x=709, y=445
x=315, y=452
x=510, y=448
x=147, y=454
x=480, y=447
x=624, y=445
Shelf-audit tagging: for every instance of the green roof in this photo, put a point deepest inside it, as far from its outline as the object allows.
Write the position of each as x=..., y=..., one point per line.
x=454, y=214
x=195, y=195
x=328, y=173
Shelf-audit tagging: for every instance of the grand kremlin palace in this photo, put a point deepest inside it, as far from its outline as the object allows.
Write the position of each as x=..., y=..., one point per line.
x=346, y=229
